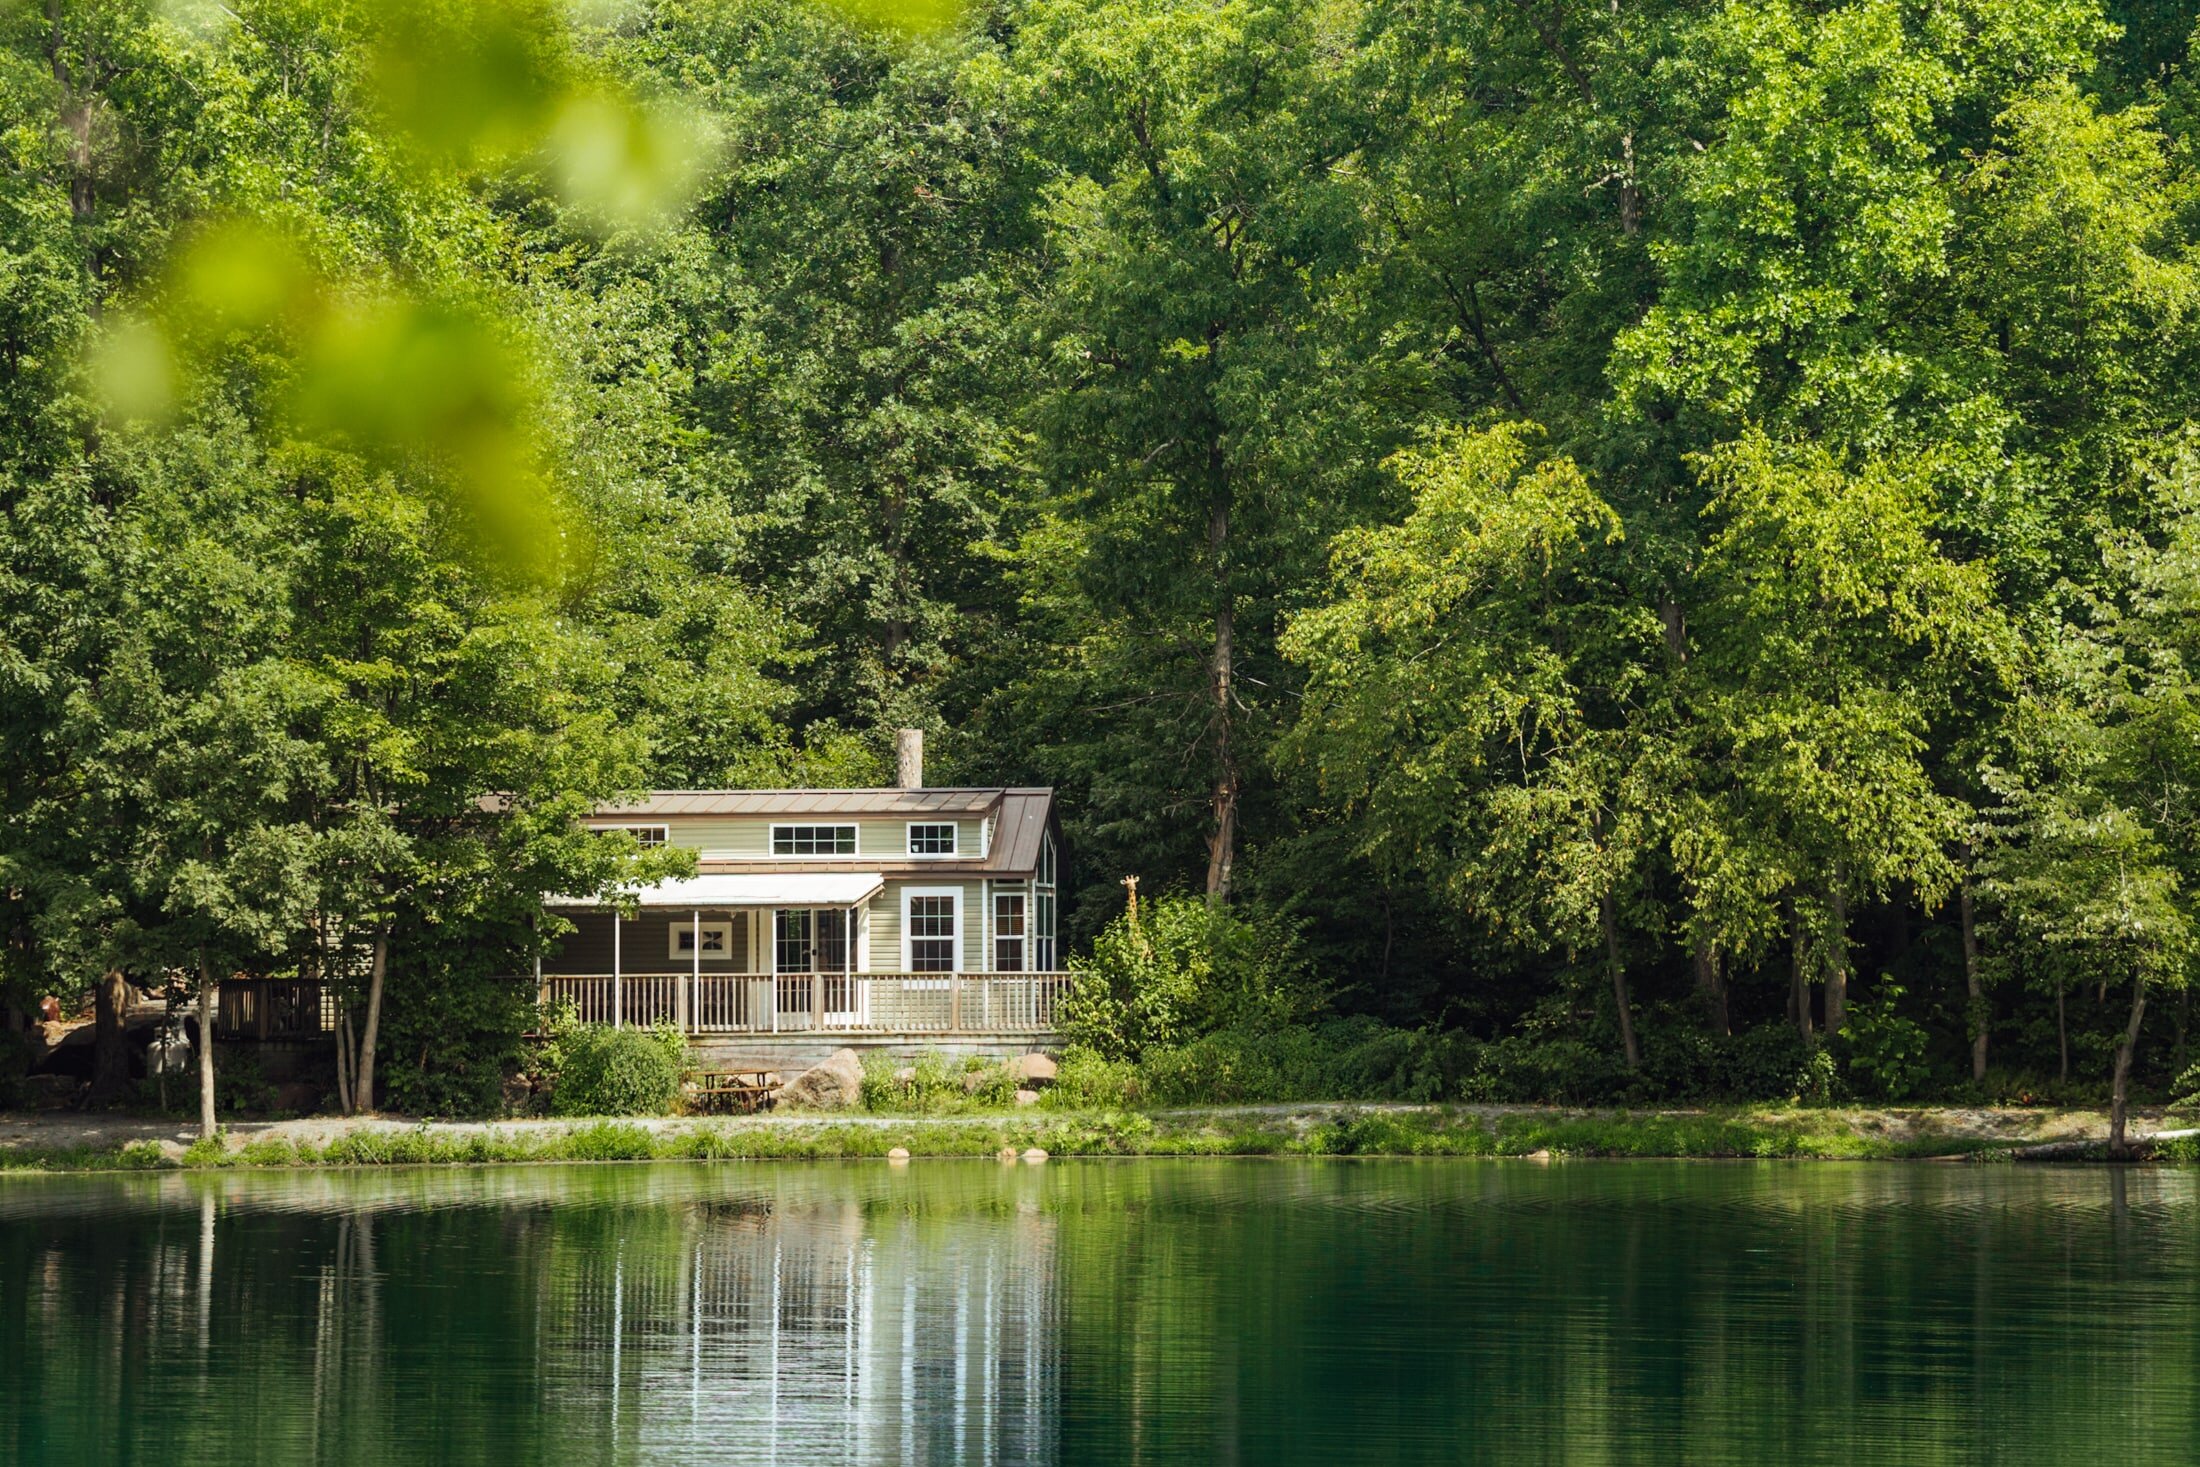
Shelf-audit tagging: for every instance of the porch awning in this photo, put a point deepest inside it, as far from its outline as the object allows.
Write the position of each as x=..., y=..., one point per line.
x=720, y=890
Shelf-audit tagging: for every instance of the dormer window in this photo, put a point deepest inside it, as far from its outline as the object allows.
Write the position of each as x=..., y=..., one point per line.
x=932, y=840
x=813, y=840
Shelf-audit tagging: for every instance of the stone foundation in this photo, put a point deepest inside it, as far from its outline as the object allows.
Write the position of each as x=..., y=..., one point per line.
x=791, y=1053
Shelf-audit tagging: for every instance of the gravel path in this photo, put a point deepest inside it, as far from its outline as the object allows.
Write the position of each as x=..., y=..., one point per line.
x=60, y=1129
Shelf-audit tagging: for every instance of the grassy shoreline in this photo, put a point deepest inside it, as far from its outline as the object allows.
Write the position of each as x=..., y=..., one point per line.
x=1312, y=1130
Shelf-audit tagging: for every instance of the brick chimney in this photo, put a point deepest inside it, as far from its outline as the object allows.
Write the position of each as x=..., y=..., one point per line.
x=909, y=758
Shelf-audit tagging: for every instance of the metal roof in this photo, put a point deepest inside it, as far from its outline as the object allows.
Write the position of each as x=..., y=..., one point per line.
x=660, y=803
x=717, y=891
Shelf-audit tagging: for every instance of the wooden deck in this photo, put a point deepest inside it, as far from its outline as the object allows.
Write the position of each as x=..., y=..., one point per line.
x=994, y=1007
x=895, y=1004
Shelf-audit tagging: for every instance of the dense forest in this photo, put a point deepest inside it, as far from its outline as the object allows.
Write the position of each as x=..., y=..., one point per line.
x=1624, y=542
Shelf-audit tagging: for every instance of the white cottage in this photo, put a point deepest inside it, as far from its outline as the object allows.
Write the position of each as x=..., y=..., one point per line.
x=905, y=911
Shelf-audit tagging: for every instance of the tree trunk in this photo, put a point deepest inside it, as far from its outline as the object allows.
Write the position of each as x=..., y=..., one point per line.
x=1222, y=842
x=1837, y=965
x=1798, y=982
x=1977, y=1001
x=1711, y=988
x=110, y=1052
x=206, y=1049
x=2184, y=1015
x=343, y=1059
x=2062, y=1031
x=2118, y=1099
x=363, y=1073
x=1608, y=917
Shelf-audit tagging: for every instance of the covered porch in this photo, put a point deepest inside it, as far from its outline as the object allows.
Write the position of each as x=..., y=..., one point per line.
x=771, y=954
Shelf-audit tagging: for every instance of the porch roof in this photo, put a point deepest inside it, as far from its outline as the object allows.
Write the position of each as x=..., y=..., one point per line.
x=716, y=891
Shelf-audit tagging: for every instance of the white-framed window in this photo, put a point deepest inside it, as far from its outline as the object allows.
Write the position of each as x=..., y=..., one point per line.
x=717, y=940
x=932, y=838
x=931, y=929
x=648, y=837
x=1008, y=932
x=1044, y=951
x=813, y=840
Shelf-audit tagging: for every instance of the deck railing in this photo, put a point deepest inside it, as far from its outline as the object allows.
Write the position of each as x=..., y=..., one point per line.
x=797, y=1003
x=273, y=1008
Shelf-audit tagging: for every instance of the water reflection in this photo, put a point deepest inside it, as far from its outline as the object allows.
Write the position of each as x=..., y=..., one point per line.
x=1103, y=1312
x=662, y=1314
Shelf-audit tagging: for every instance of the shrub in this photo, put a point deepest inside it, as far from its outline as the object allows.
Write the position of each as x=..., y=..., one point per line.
x=1085, y=1080
x=1179, y=968
x=1886, y=1051
x=1760, y=1064
x=597, y=1070
x=138, y=1156
x=1522, y=1071
x=932, y=1085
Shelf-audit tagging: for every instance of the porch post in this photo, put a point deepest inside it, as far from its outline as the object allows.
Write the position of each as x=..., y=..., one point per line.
x=817, y=980
x=695, y=964
x=771, y=969
x=618, y=994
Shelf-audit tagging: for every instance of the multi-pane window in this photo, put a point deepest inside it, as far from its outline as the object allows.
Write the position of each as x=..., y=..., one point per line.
x=832, y=940
x=810, y=941
x=648, y=837
x=931, y=934
x=813, y=840
x=1043, y=949
x=1008, y=932
x=932, y=840
x=716, y=939
x=793, y=944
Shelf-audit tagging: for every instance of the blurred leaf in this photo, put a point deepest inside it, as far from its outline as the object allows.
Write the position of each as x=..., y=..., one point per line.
x=402, y=379
x=238, y=276
x=624, y=164
x=915, y=17
x=133, y=370
x=469, y=83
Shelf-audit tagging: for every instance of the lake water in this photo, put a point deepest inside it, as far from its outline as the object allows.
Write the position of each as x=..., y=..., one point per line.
x=1102, y=1312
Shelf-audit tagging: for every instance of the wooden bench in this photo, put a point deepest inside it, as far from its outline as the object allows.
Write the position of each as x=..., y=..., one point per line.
x=723, y=1092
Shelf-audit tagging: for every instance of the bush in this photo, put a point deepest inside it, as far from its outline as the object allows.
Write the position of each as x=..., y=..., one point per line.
x=934, y=1085
x=1179, y=968
x=1886, y=1052
x=597, y=1070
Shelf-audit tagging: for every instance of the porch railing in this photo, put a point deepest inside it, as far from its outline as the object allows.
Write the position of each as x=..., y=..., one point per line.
x=797, y=1003
x=273, y=1008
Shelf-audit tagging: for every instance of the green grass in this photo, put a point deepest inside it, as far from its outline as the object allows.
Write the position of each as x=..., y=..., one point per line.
x=1736, y=1133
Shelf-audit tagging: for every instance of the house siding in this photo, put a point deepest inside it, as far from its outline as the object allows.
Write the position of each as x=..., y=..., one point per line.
x=750, y=837
x=645, y=945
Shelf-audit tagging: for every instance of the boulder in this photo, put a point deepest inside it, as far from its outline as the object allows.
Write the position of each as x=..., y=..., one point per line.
x=1035, y=1155
x=898, y=1154
x=1027, y=1097
x=833, y=1085
x=1006, y=1154
x=976, y=1080
x=906, y=1075
x=1032, y=1070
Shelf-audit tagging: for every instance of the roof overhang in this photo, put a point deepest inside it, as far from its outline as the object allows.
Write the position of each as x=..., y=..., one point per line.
x=717, y=891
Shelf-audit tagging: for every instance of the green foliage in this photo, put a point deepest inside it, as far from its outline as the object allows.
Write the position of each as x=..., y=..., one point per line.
x=598, y=1070
x=934, y=1085
x=1886, y=1052
x=1180, y=967
x=1591, y=511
